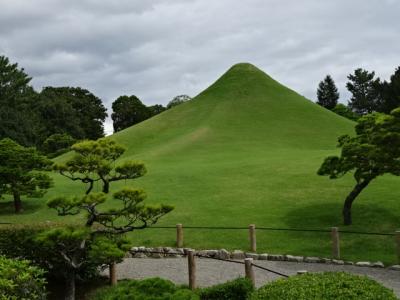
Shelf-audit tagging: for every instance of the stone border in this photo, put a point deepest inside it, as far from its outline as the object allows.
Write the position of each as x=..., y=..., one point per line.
x=162, y=252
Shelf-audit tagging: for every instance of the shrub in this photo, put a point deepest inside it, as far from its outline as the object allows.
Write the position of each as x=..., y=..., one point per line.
x=19, y=241
x=329, y=285
x=19, y=280
x=148, y=289
x=239, y=289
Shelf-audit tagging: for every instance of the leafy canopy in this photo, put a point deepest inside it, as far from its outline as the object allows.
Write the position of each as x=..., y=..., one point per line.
x=95, y=161
x=20, y=172
x=327, y=93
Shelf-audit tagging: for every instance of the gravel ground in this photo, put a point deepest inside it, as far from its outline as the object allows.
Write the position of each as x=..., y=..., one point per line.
x=210, y=272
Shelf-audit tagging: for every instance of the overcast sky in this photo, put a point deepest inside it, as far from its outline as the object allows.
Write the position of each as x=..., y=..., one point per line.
x=157, y=49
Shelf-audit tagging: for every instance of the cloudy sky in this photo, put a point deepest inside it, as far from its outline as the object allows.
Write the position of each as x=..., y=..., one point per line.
x=156, y=49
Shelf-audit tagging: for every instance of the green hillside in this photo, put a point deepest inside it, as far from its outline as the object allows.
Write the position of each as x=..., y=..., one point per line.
x=246, y=150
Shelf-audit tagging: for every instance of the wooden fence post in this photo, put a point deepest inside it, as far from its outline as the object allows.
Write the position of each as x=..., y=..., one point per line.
x=252, y=237
x=335, y=243
x=192, y=269
x=248, y=268
x=179, y=236
x=113, y=273
x=397, y=236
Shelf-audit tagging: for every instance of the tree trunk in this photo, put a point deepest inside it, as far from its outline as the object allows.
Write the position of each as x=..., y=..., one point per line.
x=106, y=186
x=350, y=199
x=17, y=202
x=90, y=187
x=70, y=286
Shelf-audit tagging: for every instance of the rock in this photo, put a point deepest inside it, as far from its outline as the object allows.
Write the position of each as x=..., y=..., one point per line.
x=263, y=256
x=141, y=249
x=186, y=250
x=276, y=257
x=212, y=253
x=377, y=264
x=363, y=264
x=140, y=255
x=251, y=255
x=202, y=253
x=349, y=263
x=326, y=260
x=337, y=262
x=312, y=259
x=128, y=255
x=223, y=254
x=294, y=258
x=179, y=250
x=170, y=252
x=134, y=249
x=159, y=254
x=394, y=267
x=238, y=254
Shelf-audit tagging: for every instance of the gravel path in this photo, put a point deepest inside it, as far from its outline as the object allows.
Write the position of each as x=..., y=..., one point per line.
x=210, y=272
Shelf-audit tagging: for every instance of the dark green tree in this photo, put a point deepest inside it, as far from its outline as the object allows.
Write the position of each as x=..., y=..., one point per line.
x=345, y=111
x=156, y=109
x=374, y=151
x=99, y=240
x=365, y=90
x=72, y=110
x=57, y=144
x=127, y=111
x=20, y=172
x=390, y=93
x=18, y=119
x=178, y=100
x=327, y=93
x=96, y=161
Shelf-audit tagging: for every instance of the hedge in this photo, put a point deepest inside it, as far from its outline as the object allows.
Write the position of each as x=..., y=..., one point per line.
x=327, y=286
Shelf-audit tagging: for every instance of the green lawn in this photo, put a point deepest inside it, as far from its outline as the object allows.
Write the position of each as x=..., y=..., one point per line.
x=246, y=150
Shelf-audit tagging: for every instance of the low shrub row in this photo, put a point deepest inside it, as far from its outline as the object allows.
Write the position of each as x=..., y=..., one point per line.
x=323, y=286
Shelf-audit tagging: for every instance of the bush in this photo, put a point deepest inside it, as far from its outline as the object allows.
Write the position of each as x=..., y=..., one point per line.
x=329, y=285
x=239, y=289
x=57, y=144
x=19, y=241
x=148, y=289
x=19, y=280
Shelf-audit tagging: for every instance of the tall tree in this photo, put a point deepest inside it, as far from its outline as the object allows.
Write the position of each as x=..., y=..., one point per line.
x=20, y=172
x=390, y=93
x=96, y=161
x=18, y=120
x=127, y=111
x=374, y=151
x=74, y=111
x=327, y=93
x=365, y=91
x=178, y=100
x=156, y=109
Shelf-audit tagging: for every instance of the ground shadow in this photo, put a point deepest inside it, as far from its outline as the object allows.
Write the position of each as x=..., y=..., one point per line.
x=325, y=215
x=29, y=206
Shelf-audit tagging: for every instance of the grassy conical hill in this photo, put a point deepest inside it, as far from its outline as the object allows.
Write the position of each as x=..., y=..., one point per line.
x=245, y=108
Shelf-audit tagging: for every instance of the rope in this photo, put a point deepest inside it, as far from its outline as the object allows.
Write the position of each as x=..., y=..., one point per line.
x=210, y=257
x=274, y=229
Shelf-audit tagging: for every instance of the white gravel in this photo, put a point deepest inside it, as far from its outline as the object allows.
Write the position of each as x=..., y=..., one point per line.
x=210, y=272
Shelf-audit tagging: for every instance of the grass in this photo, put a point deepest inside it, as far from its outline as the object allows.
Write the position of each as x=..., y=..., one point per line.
x=246, y=150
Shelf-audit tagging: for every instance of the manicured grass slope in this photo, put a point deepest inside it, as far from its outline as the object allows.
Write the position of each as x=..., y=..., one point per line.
x=246, y=150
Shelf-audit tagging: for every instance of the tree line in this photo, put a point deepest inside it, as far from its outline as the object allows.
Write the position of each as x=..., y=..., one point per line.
x=368, y=94
x=56, y=117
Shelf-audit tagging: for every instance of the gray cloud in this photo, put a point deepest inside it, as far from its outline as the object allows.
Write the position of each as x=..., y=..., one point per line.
x=157, y=49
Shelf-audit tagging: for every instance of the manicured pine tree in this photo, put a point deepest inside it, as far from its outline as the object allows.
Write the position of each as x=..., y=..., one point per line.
x=327, y=93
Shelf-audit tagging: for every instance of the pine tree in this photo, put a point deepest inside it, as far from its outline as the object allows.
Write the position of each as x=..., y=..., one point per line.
x=327, y=93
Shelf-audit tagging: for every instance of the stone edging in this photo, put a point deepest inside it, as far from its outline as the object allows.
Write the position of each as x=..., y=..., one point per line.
x=143, y=252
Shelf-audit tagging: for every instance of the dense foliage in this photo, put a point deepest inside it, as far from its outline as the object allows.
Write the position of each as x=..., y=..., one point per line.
x=327, y=286
x=127, y=111
x=20, y=172
x=239, y=289
x=327, y=93
x=374, y=151
x=346, y=112
x=178, y=100
x=30, y=118
x=19, y=280
x=148, y=289
x=95, y=161
x=57, y=144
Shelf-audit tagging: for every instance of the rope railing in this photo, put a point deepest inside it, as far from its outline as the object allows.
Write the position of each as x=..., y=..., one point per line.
x=276, y=229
